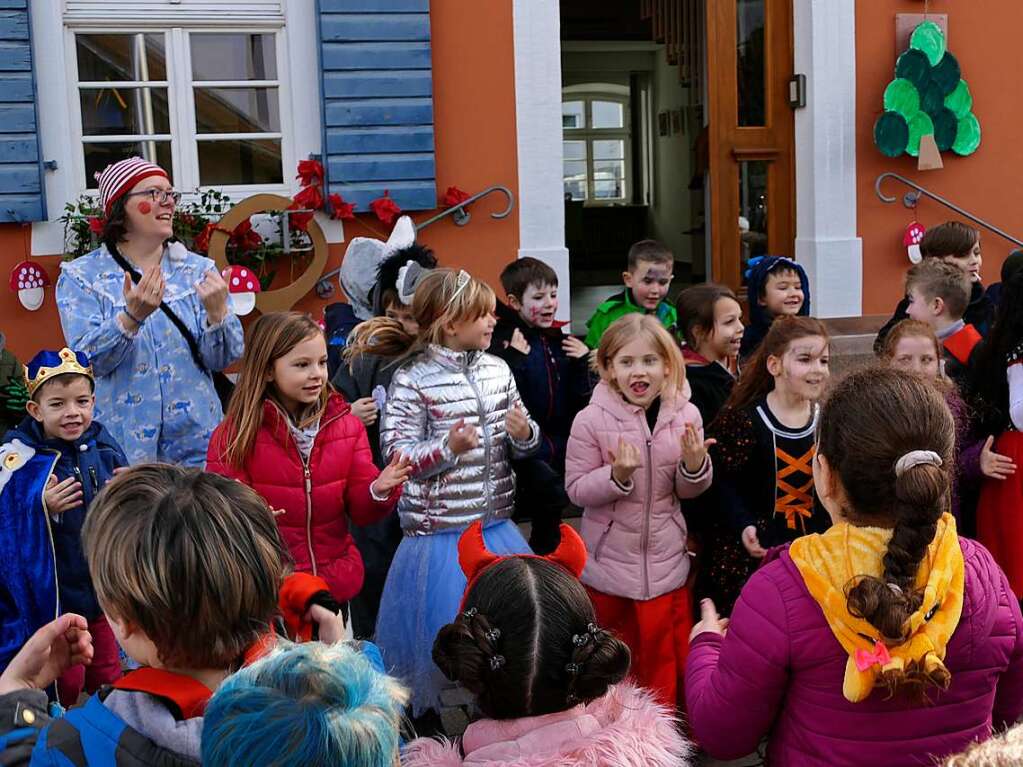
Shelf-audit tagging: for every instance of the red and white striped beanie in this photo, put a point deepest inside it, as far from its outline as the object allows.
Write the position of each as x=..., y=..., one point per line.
x=118, y=178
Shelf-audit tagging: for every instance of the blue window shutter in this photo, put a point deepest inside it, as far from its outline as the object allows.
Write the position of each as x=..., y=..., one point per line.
x=377, y=93
x=21, y=182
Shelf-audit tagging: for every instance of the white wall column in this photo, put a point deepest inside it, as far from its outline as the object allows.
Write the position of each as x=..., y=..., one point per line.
x=826, y=241
x=537, y=30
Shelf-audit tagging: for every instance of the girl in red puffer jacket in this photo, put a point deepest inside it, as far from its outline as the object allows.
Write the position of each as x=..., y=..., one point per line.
x=294, y=440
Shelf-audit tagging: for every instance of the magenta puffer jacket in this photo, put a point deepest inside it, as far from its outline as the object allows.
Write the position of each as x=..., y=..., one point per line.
x=624, y=728
x=778, y=672
x=636, y=539
x=317, y=500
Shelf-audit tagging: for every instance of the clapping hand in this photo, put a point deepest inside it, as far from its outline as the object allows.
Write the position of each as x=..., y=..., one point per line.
x=365, y=409
x=394, y=475
x=212, y=290
x=710, y=621
x=517, y=424
x=462, y=437
x=574, y=348
x=995, y=465
x=143, y=299
x=752, y=542
x=62, y=496
x=694, y=449
x=48, y=653
x=624, y=461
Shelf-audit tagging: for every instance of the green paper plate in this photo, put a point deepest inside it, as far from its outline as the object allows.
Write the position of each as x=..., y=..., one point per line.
x=946, y=126
x=891, y=133
x=929, y=38
x=913, y=65
x=967, y=135
x=902, y=96
x=960, y=101
x=920, y=125
x=946, y=74
x=932, y=99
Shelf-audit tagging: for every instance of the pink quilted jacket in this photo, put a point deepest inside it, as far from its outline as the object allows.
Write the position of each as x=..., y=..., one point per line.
x=625, y=728
x=636, y=540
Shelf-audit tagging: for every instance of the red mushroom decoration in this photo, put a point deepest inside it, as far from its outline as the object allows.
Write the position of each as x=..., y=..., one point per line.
x=28, y=279
x=243, y=285
x=911, y=241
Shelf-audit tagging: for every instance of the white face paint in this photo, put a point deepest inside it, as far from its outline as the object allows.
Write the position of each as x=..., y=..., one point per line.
x=539, y=305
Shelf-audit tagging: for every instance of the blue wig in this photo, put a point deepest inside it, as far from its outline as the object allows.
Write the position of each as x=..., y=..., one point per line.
x=306, y=704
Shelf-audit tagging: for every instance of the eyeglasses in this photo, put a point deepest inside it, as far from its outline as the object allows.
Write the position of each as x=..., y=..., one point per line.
x=161, y=196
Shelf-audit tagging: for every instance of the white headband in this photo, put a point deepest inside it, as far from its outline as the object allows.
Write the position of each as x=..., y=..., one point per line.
x=463, y=280
x=916, y=458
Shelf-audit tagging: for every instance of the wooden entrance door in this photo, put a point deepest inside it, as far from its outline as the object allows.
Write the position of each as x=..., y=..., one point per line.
x=750, y=126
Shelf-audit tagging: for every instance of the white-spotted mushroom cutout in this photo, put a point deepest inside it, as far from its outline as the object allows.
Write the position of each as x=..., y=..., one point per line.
x=28, y=280
x=243, y=285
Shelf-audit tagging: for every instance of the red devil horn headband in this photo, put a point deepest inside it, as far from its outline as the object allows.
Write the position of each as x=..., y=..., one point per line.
x=474, y=557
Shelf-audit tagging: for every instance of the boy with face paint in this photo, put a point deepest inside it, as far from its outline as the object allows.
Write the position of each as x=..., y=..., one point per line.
x=647, y=281
x=551, y=370
x=781, y=288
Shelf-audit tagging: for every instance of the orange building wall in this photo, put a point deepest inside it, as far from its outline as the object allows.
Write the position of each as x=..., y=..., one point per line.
x=474, y=116
x=984, y=37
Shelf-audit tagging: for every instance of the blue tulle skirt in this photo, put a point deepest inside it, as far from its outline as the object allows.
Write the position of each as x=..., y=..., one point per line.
x=423, y=591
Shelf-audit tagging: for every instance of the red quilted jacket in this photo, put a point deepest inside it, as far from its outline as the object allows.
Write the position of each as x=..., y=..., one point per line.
x=316, y=501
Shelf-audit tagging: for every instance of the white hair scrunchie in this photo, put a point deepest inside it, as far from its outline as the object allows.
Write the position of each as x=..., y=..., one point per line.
x=916, y=458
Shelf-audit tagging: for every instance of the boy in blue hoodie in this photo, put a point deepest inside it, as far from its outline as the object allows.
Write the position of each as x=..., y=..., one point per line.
x=84, y=457
x=776, y=285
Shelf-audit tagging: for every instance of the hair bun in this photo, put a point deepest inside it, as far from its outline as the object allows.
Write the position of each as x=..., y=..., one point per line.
x=606, y=663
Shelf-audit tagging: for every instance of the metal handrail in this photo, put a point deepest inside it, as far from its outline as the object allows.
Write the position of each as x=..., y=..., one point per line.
x=461, y=217
x=910, y=200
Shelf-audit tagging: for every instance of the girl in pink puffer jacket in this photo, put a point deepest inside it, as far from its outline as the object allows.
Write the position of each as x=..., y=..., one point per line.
x=633, y=453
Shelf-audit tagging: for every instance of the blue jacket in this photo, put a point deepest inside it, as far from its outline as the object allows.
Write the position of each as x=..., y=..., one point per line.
x=339, y=321
x=554, y=387
x=150, y=393
x=759, y=318
x=91, y=459
x=28, y=578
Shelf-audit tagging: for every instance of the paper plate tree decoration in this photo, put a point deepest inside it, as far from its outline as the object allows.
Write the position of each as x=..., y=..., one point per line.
x=243, y=285
x=928, y=97
x=28, y=280
x=911, y=241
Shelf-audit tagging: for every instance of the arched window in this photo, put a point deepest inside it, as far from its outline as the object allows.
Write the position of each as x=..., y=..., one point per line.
x=595, y=120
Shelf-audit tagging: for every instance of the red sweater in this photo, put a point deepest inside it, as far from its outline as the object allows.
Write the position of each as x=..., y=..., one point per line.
x=317, y=500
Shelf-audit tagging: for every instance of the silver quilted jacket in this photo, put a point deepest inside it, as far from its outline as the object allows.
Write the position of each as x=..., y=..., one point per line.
x=428, y=395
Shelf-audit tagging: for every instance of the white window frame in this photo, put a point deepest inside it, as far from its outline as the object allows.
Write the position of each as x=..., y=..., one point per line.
x=59, y=108
x=590, y=134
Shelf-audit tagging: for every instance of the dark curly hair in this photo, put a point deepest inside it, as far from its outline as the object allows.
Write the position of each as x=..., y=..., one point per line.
x=528, y=644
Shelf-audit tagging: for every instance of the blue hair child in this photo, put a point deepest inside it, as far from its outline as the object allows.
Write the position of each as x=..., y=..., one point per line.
x=309, y=703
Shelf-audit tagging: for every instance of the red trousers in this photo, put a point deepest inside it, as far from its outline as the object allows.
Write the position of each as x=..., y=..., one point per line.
x=104, y=669
x=657, y=633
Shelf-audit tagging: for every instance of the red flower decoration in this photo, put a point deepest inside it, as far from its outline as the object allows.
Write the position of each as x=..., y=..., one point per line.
x=453, y=197
x=96, y=224
x=244, y=238
x=385, y=208
x=310, y=197
x=339, y=208
x=201, y=243
x=310, y=172
x=299, y=220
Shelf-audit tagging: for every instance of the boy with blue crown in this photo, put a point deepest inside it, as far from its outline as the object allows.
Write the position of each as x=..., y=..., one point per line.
x=54, y=464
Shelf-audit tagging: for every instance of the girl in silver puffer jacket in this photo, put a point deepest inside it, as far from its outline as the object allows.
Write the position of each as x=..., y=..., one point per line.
x=456, y=413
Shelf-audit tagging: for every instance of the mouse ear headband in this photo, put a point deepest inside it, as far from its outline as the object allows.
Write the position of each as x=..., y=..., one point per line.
x=475, y=558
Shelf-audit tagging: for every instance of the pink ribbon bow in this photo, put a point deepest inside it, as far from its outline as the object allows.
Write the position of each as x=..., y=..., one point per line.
x=865, y=659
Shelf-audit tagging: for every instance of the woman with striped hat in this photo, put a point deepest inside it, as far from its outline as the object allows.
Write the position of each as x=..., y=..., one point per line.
x=154, y=318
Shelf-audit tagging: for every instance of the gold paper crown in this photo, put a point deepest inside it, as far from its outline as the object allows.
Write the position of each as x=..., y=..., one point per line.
x=49, y=364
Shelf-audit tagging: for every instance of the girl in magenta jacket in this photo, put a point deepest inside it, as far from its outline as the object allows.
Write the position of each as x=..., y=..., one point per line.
x=632, y=454
x=885, y=640
x=293, y=440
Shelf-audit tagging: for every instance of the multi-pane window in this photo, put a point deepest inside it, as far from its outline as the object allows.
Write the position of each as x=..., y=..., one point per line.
x=205, y=105
x=596, y=148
